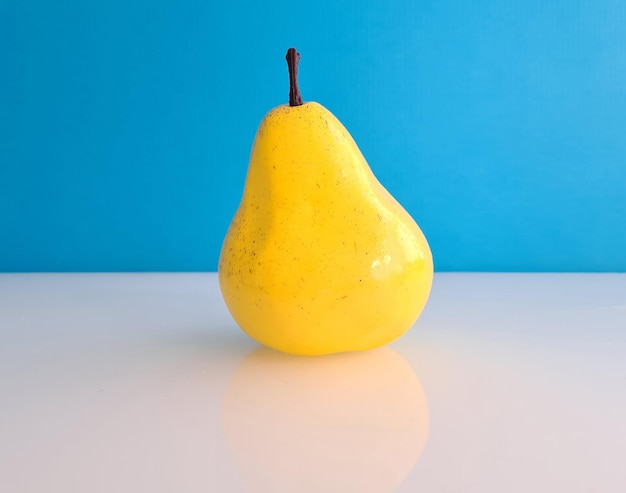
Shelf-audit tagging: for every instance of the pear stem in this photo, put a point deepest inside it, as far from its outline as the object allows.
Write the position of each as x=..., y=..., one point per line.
x=293, y=57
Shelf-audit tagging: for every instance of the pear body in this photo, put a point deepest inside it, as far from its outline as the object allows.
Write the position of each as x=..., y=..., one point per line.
x=319, y=257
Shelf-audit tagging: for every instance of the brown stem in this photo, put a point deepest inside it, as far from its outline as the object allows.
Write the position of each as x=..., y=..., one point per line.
x=293, y=57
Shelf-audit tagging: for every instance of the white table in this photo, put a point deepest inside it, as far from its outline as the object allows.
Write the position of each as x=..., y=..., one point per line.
x=143, y=383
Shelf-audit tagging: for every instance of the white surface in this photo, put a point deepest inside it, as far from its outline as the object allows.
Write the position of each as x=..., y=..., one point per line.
x=131, y=383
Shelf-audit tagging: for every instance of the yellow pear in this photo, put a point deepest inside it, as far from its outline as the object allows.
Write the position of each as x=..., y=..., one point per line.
x=319, y=257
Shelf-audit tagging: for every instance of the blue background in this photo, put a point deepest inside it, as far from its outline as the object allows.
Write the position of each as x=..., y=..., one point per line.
x=126, y=126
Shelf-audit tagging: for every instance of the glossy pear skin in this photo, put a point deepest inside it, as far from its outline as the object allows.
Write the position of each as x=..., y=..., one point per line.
x=319, y=257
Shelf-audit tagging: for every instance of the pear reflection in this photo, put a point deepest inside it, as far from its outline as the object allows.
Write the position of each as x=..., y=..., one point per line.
x=344, y=422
